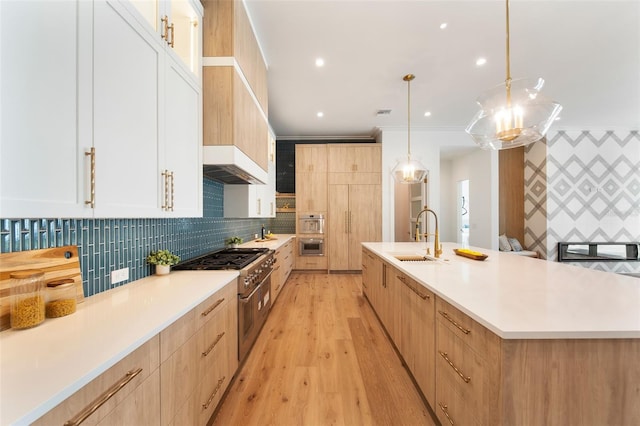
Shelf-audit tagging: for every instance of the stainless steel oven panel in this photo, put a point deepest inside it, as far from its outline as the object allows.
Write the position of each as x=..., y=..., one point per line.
x=311, y=224
x=311, y=246
x=252, y=314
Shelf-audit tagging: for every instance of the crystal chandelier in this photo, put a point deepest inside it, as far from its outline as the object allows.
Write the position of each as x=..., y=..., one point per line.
x=409, y=171
x=514, y=113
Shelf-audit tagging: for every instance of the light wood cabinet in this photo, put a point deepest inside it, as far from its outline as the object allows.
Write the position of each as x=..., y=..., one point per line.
x=228, y=33
x=311, y=262
x=416, y=329
x=311, y=179
x=355, y=158
x=355, y=216
x=197, y=352
x=133, y=384
x=282, y=268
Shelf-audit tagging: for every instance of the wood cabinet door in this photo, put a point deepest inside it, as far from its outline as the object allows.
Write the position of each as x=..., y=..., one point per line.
x=311, y=193
x=311, y=158
x=354, y=158
x=338, y=228
x=365, y=220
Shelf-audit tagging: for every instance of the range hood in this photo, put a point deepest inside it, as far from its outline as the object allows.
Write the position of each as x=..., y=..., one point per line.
x=229, y=165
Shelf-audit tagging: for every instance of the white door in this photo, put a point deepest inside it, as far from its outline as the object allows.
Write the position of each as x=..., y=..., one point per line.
x=182, y=142
x=127, y=72
x=41, y=153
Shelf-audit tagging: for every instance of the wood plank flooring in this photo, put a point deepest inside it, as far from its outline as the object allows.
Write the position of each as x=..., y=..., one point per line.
x=322, y=359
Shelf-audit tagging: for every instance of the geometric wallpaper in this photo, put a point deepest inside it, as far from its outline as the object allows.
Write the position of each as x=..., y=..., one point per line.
x=592, y=192
x=535, y=198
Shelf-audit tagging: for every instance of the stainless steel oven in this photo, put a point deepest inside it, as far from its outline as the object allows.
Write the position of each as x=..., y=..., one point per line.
x=311, y=246
x=311, y=224
x=252, y=314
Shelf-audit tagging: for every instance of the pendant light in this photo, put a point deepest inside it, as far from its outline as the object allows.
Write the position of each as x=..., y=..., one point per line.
x=409, y=171
x=514, y=113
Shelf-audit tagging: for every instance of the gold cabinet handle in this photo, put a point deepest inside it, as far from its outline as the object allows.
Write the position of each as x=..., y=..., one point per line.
x=92, y=200
x=404, y=280
x=445, y=410
x=165, y=27
x=212, y=307
x=451, y=320
x=346, y=222
x=104, y=397
x=213, y=395
x=364, y=285
x=172, y=35
x=165, y=178
x=213, y=345
x=171, y=190
x=444, y=355
x=259, y=206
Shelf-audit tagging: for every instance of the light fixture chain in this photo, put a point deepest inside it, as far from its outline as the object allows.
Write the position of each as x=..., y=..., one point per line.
x=409, y=119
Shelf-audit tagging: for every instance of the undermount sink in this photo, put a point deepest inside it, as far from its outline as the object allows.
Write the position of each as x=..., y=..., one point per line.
x=413, y=258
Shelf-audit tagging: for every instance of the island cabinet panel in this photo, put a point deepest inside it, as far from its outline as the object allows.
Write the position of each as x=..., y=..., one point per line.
x=588, y=382
x=136, y=402
x=371, y=276
x=417, y=332
x=199, y=356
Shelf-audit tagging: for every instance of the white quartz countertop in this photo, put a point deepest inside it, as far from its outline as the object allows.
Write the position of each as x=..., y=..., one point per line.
x=519, y=297
x=42, y=366
x=275, y=243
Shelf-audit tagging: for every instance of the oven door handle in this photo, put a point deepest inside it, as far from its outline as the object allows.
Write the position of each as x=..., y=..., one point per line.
x=246, y=299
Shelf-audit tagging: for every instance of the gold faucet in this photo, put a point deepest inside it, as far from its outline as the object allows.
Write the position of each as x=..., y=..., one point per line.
x=437, y=247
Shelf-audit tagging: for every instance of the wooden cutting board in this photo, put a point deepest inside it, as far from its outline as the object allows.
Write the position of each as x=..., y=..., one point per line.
x=56, y=263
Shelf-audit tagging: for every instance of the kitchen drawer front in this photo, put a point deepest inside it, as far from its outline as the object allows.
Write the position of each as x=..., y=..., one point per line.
x=474, y=379
x=179, y=377
x=145, y=357
x=450, y=407
x=214, y=341
x=480, y=339
x=216, y=303
x=177, y=334
x=311, y=262
x=213, y=385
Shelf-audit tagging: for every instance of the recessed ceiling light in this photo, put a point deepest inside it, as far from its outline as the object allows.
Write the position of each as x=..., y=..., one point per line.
x=319, y=62
x=320, y=114
x=427, y=114
x=443, y=25
x=481, y=61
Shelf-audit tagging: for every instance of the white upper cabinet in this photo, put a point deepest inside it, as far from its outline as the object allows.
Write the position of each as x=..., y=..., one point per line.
x=40, y=154
x=178, y=23
x=104, y=119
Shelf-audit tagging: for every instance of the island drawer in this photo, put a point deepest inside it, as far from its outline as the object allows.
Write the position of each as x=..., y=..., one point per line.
x=477, y=337
x=450, y=407
x=473, y=378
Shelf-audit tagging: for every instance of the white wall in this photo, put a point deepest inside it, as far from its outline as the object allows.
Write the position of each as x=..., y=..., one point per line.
x=481, y=169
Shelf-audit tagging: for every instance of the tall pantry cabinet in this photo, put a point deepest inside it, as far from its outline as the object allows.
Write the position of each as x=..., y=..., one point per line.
x=354, y=202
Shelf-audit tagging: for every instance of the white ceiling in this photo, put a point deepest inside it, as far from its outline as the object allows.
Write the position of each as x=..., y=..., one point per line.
x=588, y=52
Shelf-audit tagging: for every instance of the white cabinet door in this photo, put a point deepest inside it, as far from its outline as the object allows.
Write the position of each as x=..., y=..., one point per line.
x=41, y=153
x=181, y=153
x=127, y=76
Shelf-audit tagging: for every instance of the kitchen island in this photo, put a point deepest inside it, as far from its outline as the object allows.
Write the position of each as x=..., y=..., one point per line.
x=511, y=340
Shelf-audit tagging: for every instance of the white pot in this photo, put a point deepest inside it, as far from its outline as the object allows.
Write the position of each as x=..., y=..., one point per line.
x=162, y=269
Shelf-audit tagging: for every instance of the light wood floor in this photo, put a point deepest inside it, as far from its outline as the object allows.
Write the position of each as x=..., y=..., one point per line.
x=322, y=359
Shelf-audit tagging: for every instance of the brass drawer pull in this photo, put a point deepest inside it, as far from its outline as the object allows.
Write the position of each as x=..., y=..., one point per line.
x=445, y=410
x=213, y=395
x=462, y=376
x=213, y=345
x=364, y=285
x=212, y=307
x=99, y=401
x=422, y=296
x=448, y=318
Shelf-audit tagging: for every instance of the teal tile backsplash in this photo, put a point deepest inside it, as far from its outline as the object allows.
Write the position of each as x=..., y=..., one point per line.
x=108, y=244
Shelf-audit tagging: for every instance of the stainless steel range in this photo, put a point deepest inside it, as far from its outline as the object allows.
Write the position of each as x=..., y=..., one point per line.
x=255, y=266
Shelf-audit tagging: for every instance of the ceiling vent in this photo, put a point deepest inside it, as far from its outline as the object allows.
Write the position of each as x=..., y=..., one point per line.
x=383, y=112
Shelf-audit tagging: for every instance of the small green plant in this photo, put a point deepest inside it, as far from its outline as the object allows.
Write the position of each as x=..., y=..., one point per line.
x=233, y=240
x=162, y=257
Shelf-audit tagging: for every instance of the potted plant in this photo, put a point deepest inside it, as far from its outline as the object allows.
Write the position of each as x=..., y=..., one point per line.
x=163, y=259
x=233, y=242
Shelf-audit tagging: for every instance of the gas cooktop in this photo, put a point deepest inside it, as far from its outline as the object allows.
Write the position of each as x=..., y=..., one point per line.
x=231, y=258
